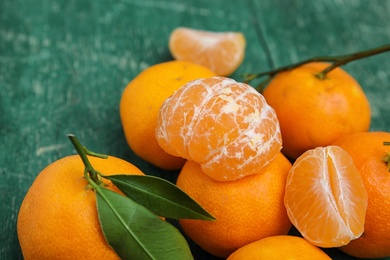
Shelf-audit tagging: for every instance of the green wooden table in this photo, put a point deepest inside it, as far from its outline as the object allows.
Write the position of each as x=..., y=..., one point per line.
x=65, y=63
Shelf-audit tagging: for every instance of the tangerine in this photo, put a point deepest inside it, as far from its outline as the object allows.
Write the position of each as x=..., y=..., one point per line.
x=222, y=52
x=325, y=197
x=372, y=159
x=141, y=101
x=224, y=125
x=314, y=112
x=246, y=210
x=58, y=217
x=279, y=247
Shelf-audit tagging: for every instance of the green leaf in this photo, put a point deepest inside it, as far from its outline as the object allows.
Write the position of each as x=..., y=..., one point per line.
x=136, y=233
x=160, y=196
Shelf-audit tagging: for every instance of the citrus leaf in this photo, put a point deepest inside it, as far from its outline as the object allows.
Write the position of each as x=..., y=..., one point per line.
x=160, y=196
x=134, y=232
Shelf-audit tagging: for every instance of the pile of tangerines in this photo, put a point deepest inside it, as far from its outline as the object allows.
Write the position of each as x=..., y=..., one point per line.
x=299, y=153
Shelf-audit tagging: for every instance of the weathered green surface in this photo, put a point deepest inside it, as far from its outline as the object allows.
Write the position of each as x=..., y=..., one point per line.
x=64, y=64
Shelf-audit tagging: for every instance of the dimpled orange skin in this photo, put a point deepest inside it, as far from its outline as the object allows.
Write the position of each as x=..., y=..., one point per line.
x=314, y=112
x=224, y=125
x=279, y=247
x=141, y=101
x=58, y=217
x=367, y=151
x=246, y=210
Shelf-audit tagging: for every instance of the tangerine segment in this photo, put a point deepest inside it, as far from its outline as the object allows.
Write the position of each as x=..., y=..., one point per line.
x=325, y=197
x=224, y=125
x=222, y=52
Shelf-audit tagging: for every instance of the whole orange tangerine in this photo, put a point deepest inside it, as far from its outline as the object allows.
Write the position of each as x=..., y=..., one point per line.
x=314, y=112
x=58, y=217
x=246, y=210
x=141, y=101
x=372, y=158
x=279, y=247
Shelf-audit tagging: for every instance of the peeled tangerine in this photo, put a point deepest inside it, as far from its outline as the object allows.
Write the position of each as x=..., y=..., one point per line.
x=325, y=197
x=224, y=125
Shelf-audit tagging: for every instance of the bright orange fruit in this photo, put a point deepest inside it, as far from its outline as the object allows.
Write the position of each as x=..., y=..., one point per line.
x=325, y=197
x=224, y=125
x=246, y=210
x=141, y=101
x=222, y=52
x=279, y=247
x=58, y=218
x=314, y=112
x=372, y=159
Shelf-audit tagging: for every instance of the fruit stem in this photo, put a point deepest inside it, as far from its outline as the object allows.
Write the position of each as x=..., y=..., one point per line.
x=336, y=60
x=90, y=173
x=386, y=158
x=344, y=59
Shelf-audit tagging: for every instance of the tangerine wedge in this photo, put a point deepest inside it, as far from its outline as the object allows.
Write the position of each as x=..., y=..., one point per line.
x=222, y=52
x=325, y=197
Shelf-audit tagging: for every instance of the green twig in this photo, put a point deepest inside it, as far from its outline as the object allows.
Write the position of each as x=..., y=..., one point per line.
x=90, y=172
x=249, y=77
x=335, y=60
x=342, y=60
x=98, y=155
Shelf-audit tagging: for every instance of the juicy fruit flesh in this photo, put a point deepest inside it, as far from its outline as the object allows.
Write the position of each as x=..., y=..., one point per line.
x=222, y=52
x=224, y=125
x=325, y=197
